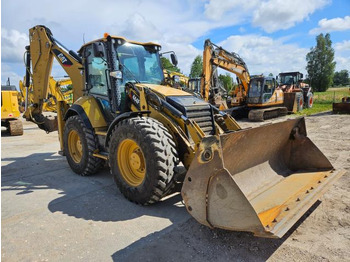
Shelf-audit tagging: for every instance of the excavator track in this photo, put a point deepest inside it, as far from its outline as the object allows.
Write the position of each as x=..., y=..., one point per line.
x=266, y=113
x=15, y=127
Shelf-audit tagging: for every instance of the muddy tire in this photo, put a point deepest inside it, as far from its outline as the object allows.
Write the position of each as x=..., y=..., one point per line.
x=300, y=102
x=310, y=101
x=80, y=143
x=15, y=127
x=142, y=159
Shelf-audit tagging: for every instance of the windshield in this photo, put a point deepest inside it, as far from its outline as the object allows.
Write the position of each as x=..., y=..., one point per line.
x=288, y=79
x=255, y=87
x=140, y=64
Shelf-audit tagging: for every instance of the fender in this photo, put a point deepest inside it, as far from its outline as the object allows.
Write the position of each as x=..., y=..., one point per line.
x=120, y=118
x=88, y=108
x=78, y=110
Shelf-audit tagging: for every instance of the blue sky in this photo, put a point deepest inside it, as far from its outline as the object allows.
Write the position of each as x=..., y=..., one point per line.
x=272, y=36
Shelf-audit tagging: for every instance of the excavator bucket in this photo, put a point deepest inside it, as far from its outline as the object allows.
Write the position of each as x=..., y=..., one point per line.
x=260, y=180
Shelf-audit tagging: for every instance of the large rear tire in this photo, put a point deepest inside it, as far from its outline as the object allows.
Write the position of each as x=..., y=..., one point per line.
x=142, y=158
x=80, y=143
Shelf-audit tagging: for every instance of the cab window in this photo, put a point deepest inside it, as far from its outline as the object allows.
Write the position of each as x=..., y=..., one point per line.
x=97, y=80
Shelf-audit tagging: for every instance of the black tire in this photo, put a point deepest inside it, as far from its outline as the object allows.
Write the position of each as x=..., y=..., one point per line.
x=88, y=164
x=159, y=155
x=310, y=100
x=15, y=127
x=300, y=102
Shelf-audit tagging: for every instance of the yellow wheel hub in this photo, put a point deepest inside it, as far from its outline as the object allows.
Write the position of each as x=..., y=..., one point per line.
x=131, y=162
x=74, y=146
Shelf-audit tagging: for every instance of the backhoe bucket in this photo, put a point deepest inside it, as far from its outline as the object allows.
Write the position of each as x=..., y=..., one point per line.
x=260, y=180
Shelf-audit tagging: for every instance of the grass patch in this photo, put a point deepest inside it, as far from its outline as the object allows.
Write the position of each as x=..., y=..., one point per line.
x=323, y=100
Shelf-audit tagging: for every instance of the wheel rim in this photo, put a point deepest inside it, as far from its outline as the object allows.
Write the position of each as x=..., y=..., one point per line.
x=74, y=146
x=131, y=162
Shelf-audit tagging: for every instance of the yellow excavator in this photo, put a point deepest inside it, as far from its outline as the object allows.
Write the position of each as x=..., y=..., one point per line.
x=156, y=137
x=257, y=95
x=55, y=91
x=10, y=110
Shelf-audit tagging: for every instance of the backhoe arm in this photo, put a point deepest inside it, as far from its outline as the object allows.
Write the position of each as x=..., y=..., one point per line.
x=40, y=53
x=215, y=56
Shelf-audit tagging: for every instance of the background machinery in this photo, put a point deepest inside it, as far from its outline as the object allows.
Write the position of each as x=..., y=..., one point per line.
x=291, y=83
x=155, y=137
x=10, y=110
x=258, y=95
x=54, y=91
x=175, y=79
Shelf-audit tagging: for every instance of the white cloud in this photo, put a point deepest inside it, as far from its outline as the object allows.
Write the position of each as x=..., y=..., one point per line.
x=8, y=72
x=270, y=15
x=265, y=55
x=342, y=55
x=275, y=15
x=13, y=45
x=331, y=25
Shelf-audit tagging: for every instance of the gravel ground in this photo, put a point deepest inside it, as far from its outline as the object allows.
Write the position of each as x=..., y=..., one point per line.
x=50, y=214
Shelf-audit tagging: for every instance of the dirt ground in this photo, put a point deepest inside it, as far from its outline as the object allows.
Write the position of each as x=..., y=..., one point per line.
x=53, y=215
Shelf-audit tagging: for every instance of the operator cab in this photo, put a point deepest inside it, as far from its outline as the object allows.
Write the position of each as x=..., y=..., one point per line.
x=261, y=89
x=111, y=62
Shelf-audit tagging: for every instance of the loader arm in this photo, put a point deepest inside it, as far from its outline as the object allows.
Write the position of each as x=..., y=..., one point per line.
x=215, y=56
x=43, y=48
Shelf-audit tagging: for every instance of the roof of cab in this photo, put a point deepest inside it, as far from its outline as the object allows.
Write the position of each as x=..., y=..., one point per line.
x=104, y=39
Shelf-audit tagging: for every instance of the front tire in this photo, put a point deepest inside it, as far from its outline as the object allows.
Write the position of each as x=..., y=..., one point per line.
x=142, y=158
x=80, y=143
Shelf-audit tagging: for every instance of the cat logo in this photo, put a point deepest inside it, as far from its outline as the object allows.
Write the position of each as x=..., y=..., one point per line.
x=63, y=59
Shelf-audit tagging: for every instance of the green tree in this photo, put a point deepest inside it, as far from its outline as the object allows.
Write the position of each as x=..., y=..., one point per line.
x=320, y=63
x=196, y=67
x=168, y=65
x=227, y=81
x=67, y=88
x=341, y=78
x=270, y=74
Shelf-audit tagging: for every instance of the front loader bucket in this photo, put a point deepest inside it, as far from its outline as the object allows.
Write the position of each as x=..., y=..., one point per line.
x=260, y=180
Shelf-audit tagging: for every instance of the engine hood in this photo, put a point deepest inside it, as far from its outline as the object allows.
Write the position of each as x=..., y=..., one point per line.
x=165, y=90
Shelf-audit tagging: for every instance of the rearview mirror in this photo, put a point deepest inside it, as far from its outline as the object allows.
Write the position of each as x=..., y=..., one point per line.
x=173, y=59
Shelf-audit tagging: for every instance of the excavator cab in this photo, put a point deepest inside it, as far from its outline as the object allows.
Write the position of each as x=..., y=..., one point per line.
x=261, y=89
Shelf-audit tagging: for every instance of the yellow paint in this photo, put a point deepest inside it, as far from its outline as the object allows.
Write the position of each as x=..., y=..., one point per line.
x=74, y=146
x=9, y=105
x=131, y=162
x=92, y=110
x=166, y=90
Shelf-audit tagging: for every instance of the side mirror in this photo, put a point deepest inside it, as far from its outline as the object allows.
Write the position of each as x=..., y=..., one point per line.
x=98, y=49
x=173, y=59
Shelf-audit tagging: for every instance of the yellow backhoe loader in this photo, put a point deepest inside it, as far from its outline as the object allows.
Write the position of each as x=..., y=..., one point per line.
x=175, y=79
x=10, y=110
x=155, y=137
x=55, y=91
